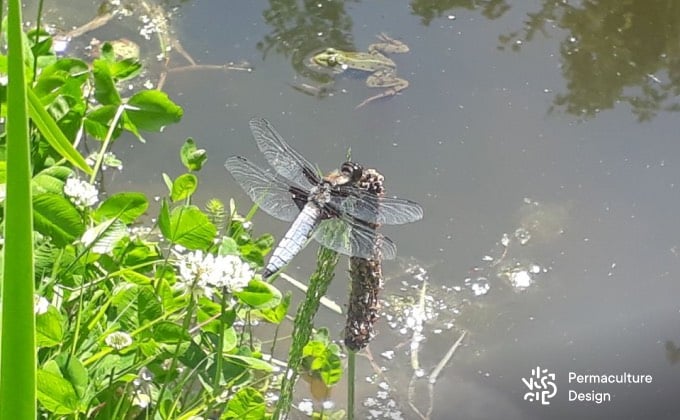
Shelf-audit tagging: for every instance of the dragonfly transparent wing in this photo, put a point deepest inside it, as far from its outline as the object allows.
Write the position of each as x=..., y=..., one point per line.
x=265, y=188
x=283, y=158
x=373, y=209
x=353, y=239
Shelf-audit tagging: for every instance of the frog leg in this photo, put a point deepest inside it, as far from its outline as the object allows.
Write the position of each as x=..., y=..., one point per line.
x=388, y=45
x=384, y=79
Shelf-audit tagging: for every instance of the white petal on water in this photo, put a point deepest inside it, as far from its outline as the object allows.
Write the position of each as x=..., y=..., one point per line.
x=521, y=279
x=389, y=354
x=306, y=406
x=480, y=288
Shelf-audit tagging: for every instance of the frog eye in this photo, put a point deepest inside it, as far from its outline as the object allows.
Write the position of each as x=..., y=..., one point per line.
x=332, y=60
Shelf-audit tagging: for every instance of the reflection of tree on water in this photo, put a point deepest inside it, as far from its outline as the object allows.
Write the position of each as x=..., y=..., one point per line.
x=431, y=9
x=300, y=28
x=615, y=51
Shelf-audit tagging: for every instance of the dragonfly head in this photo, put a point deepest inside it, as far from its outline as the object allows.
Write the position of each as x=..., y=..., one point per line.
x=352, y=170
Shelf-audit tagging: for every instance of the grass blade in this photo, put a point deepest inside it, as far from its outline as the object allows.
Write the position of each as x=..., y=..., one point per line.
x=17, y=354
x=52, y=133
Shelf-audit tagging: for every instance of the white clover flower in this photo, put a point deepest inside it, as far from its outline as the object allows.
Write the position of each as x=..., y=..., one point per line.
x=40, y=305
x=81, y=193
x=236, y=273
x=207, y=272
x=118, y=340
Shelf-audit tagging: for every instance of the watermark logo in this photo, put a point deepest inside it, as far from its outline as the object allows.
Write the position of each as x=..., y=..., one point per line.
x=541, y=386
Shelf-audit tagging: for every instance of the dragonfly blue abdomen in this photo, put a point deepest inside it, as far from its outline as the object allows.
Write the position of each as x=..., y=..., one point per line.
x=294, y=240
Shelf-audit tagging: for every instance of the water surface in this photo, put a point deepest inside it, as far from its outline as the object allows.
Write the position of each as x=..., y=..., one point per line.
x=552, y=123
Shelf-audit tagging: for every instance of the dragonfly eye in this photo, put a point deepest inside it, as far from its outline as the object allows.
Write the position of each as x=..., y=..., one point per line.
x=353, y=170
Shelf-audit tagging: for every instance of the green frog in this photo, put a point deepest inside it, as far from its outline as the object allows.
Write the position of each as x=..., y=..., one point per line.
x=382, y=69
x=122, y=48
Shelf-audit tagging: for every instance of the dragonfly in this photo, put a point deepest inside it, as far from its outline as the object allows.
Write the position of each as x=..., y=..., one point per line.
x=329, y=208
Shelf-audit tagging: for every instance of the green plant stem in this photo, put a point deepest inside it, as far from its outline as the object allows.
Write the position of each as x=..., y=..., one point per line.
x=38, y=21
x=302, y=327
x=17, y=354
x=220, y=344
x=351, y=372
x=105, y=144
x=76, y=331
x=173, y=365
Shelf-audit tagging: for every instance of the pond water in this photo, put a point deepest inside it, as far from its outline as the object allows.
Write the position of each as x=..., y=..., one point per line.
x=539, y=138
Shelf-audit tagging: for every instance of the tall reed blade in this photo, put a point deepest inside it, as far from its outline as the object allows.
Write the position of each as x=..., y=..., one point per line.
x=18, y=360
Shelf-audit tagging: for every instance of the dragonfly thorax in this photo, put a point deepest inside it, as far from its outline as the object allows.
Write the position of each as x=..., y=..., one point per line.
x=320, y=194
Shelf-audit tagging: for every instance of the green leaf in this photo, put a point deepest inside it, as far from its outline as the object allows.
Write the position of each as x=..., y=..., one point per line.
x=189, y=227
x=136, y=305
x=103, y=238
x=56, y=217
x=57, y=394
x=250, y=362
x=151, y=110
x=246, y=404
x=192, y=157
x=126, y=206
x=134, y=277
x=164, y=219
x=230, y=340
x=49, y=328
x=255, y=251
x=52, y=133
x=139, y=252
x=63, y=77
x=228, y=246
x=125, y=69
x=330, y=369
x=276, y=314
x=183, y=187
x=322, y=358
x=169, y=332
x=73, y=371
x=51, y=180
x=259, y=295
x=98, y=121
x=105, y=91
x=209, y=314
x=148, y=305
